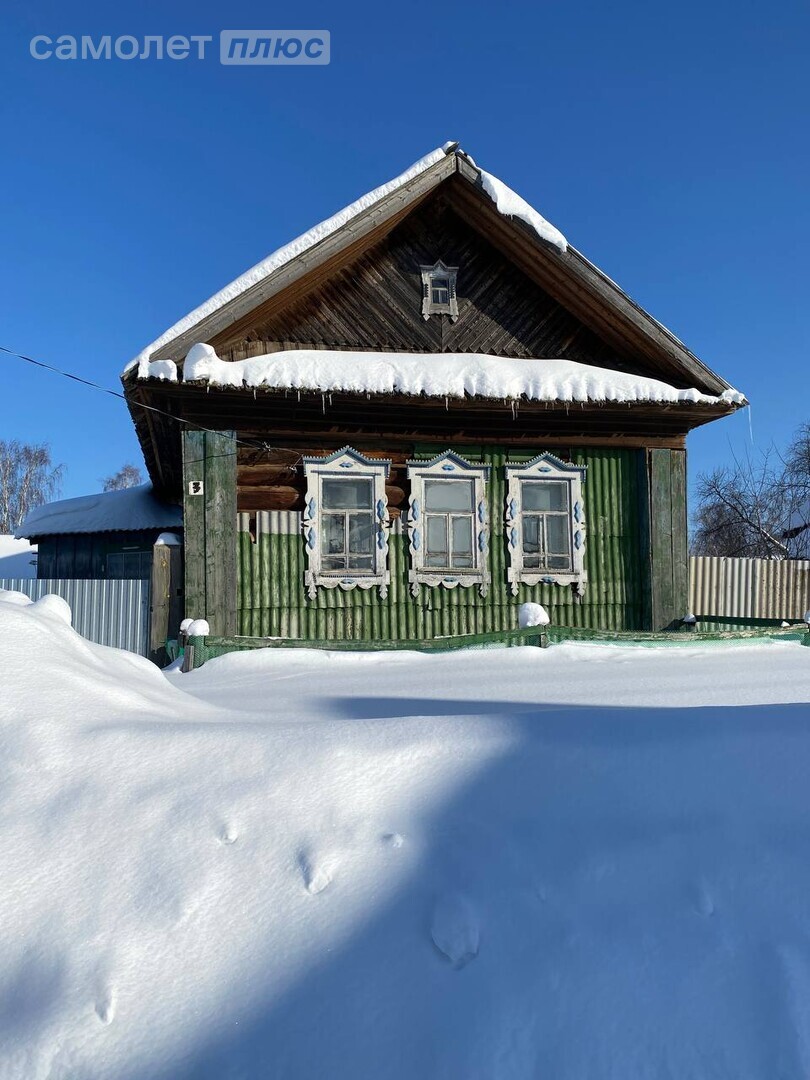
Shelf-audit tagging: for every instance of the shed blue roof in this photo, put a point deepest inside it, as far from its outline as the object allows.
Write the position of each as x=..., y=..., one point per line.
x=128, y=510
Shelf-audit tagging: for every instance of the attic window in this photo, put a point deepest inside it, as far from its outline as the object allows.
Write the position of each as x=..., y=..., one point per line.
x=439, y=290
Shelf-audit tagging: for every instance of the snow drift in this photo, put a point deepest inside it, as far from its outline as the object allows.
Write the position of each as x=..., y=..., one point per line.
x=509, y=864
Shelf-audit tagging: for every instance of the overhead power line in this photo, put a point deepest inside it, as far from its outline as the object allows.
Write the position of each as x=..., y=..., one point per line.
x=265, y=447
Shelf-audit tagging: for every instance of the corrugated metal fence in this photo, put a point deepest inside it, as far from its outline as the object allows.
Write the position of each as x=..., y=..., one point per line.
x=109, y=612
x=749, y=588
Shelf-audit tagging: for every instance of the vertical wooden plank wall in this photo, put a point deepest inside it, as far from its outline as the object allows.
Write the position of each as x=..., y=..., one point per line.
x=220, y=531
x=194, y=523
x=644, y=534
x=669, y=567
x=210, y=528
x=680, y=538
x=166, y=599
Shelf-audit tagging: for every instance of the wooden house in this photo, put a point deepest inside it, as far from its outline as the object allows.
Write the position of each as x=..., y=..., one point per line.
x=422, y=413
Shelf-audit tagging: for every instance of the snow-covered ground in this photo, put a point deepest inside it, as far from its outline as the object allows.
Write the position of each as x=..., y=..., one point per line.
x=585, y=862
x=18, y=558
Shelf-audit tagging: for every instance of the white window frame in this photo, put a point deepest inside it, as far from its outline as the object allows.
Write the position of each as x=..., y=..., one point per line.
x=429, y=307
x=345, y=463
x=447, y=466
x=545, y=467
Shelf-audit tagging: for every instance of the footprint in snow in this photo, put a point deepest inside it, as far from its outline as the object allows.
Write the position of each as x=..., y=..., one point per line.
x=455, y=929
x=105, y=1005
x=316, y=873
x=228, y=834
x=393, y=839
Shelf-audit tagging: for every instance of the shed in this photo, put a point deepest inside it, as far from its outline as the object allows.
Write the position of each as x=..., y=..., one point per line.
x=107, y=535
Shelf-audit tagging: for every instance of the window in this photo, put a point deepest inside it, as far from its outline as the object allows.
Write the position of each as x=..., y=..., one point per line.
x=546, y=533
x=447, y=523
x=545, y=523
x=346, y=522
x=439, y=290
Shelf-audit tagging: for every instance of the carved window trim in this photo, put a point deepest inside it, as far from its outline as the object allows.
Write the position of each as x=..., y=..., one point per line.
x=447, y=466
x=431, y=276
x=545, y=467
x=342, y=464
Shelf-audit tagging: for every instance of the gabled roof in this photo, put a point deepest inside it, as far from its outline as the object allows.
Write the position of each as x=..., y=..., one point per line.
x=524, y=234
x=129, y=510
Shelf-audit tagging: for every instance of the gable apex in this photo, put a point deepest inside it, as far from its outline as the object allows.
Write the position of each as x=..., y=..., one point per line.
x=489, y=206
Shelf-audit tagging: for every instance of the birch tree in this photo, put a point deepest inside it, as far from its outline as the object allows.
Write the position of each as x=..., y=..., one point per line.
x=127, y=476
x=28, y=478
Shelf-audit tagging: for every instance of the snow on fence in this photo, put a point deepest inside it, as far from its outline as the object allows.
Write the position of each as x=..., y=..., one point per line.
x=110, y=612
x=749, y=588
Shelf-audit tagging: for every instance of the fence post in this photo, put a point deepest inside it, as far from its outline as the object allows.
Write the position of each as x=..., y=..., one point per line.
x=164, y=619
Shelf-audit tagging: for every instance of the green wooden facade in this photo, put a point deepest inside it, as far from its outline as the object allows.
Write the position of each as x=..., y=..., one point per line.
x=619, y=560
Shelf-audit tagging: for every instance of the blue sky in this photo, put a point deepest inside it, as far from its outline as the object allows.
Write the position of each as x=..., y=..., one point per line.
x=668, y=142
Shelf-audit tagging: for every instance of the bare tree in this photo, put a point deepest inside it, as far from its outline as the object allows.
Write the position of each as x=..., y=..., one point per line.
x=28, y=478
x=127, y=476
x=757, y=509
x=796, y=481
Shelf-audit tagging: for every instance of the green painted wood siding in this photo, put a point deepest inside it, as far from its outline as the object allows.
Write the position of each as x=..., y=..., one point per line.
x=272, y=601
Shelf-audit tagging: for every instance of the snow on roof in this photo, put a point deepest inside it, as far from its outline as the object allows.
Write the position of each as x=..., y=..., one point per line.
x=507, y=201
x=128, y=510
x=510, y=204
x=441, y=375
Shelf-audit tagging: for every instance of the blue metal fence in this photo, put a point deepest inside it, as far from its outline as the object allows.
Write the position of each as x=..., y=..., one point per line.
x=109, y=612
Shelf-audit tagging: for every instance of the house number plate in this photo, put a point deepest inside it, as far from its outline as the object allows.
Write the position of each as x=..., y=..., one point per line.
x=196, y=487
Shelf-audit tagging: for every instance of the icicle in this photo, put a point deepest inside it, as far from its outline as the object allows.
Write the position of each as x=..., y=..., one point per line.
x=446, y=404
x=750, y=426
x=299, y=395
x=323, y=404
